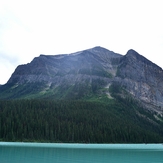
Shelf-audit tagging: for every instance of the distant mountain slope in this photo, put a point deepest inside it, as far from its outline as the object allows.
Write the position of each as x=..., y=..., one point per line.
x=47, y=68
x=85, y=74
x=62, y=75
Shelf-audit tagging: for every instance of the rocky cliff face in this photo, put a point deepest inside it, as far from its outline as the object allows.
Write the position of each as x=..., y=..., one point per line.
x=142, y=78
x=87, y=72
x=91, y=62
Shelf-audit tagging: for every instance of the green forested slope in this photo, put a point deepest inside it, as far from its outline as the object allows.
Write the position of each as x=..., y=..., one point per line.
x=108, y=121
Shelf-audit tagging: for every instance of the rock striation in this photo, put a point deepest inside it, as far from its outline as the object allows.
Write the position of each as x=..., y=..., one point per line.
x=142, y=78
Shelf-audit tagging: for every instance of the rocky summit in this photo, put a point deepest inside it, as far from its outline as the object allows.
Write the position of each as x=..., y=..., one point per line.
x=86, y=74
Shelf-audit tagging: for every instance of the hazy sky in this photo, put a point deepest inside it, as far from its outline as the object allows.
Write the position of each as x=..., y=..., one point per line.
x=29, y=28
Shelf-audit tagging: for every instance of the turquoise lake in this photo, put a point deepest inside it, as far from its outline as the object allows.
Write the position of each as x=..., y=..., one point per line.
x=80, y=153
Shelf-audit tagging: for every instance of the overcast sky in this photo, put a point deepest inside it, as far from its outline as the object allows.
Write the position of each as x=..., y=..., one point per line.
x=29, y=28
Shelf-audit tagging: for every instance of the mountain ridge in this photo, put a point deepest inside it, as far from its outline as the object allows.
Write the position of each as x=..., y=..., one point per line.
x=63, y=76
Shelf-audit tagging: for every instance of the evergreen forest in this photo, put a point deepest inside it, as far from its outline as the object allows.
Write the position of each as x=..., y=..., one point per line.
x=81, y=121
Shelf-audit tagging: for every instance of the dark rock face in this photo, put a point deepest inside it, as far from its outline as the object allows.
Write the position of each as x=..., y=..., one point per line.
x=96, y=62
x=142, y=78
x=139, y=76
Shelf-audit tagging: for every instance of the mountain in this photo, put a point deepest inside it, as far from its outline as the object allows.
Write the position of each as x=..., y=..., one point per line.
x=79, y=90
x=86, y=73
x=61, y=76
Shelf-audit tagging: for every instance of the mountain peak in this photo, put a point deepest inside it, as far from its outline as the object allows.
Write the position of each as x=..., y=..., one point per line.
x=132, y=53
x=100, y=51
x=98, y=48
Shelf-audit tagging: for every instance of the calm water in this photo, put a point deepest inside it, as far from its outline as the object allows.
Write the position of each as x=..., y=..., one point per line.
x=80, y=153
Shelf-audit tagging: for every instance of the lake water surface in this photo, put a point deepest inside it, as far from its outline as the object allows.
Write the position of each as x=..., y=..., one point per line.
x=80, y=153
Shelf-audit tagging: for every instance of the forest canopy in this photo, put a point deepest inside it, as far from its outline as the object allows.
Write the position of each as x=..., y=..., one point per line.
x=76, y=121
